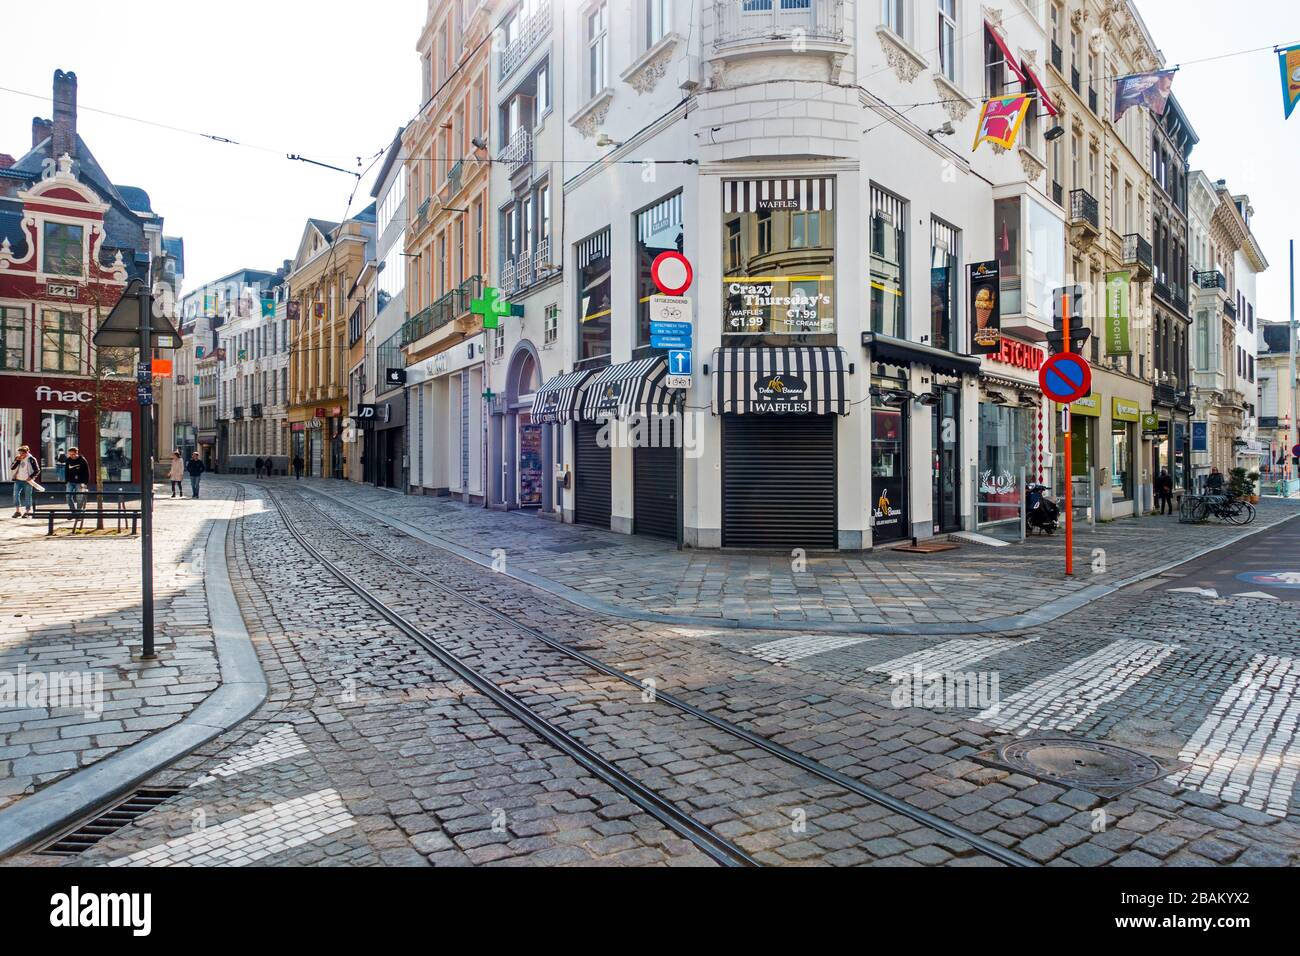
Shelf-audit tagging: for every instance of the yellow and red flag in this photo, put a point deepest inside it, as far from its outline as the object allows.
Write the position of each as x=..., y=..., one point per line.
x=1289, y=59
x=1000, y=120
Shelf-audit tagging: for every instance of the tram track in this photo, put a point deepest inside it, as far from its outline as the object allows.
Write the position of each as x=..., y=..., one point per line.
x=662, y=808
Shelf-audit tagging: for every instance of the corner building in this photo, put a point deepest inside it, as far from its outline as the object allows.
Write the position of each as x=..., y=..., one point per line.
x=836, y=402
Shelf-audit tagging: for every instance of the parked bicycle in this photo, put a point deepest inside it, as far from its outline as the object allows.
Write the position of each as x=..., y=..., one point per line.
x=1196, y=508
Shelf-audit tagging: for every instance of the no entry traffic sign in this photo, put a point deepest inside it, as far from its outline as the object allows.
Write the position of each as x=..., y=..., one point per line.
x=671, y=272
x=1065, y=378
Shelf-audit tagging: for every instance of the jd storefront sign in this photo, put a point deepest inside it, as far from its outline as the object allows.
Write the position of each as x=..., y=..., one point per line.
x=1117, y=284
x=779, y=256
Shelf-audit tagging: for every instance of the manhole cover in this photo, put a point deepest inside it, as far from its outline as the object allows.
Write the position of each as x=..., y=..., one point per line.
x=1104, y=769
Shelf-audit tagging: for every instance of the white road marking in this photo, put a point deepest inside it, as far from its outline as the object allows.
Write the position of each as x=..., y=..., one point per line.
x=1247, y=750
x=796, y=648
x=253, y=836
x=1204, y=592
x=1259, y=595
x=1066, y=698
x=279, y=744
x=948, y=656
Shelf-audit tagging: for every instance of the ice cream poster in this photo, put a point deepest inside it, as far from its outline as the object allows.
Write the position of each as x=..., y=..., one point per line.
x=985, y=308
x=1000, y=120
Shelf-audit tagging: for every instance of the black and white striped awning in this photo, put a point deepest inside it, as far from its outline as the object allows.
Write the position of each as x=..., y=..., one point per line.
x=632, y=388
x=555, y=402
x=780, y=381
x=754, y=195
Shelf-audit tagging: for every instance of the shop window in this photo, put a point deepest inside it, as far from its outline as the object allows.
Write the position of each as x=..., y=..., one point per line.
x=659, y=229
x=11, y=434
x=58, y=433
x=61, y=336
x=13, y=339
x=61, y=251
x=594, y=304
x=780, y=254
x=943, y=285
x=1005, y=436
x=888, y=245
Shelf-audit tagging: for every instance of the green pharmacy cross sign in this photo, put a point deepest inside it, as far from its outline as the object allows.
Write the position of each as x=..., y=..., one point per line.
x=493, y=306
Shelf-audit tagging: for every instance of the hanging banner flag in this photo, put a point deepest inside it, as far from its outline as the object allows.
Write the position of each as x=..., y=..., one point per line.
x=985, y=308
x=268, y=308
x=1000, y=120
x=319, y=310
x=1117, y=313
x=1289, y=59
x=1144, y=89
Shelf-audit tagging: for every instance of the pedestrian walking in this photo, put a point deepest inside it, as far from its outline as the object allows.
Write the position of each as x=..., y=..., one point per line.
x=24, y=471
x=1214, y=483
x=195, y=470
x=176, y=474
x=1165, y=492
x=77, y=478
x=257, y=467
x=297, y=467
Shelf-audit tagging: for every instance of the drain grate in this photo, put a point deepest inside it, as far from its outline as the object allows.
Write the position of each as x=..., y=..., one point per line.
x=1101, y=768
x=88, y=834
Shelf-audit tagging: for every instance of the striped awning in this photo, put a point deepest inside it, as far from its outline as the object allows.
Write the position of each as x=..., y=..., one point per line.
x=556, y=401
x=632, y=388
x=780, y=381
x=754, y=195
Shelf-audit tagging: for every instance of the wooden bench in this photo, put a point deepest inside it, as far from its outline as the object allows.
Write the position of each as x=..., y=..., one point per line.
x=121, y=515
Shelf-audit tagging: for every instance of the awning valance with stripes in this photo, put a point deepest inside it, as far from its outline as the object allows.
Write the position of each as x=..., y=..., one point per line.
x=556, y=401
x=754, y=195
x=780, y=381
x=631, y=388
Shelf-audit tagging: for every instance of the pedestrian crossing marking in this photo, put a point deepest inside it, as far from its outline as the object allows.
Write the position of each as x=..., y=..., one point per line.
x=1258, y=595
x=252, y=837
x=791, y=649
x=1247, y=750
x=948, y=656
x=1063, y=700
x=280, y=744
x=1204, y=592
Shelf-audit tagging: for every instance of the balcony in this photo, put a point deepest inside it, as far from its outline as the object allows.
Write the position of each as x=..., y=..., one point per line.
x=257, y=411
x=1212, y=280
x=1166, y=395
x=1137, y=253
x=1230, y=309
x=1056, y=57
x=454, y=177
x=518, y=152
x=1083, y=212
x=527, y=34
x=453, y=305
x=422, y=214
x=751, y=21
x=239, y=412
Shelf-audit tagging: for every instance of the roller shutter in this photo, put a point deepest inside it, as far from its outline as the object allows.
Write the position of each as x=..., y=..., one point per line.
x=778, y=482
x=591, y=472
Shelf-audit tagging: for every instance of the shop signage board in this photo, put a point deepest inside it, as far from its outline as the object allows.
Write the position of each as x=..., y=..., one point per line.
x=1089, y=406
x=1150, y=423
x=1065, y=377
x=985, y=307
x=1200, y=436
x=1117, y=284
x=1124, y=410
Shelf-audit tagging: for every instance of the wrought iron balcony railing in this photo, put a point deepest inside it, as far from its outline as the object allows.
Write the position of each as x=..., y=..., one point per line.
x=528, y=34
x=1137, y=252
x=518, y=152
x=751, y=21
x=1056, y=56
x=1083, y=209
x=450, y=306
x=1212, y=279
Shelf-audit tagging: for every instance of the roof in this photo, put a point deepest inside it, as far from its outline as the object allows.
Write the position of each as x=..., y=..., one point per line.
x=325, y=226
x=394, y=149
x=366, y=215
x=136, y=198
x=174, y=246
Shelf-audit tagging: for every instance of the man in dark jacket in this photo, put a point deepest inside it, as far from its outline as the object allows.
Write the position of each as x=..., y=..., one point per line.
x=195, y=470
x=297, y=467
x=1214, y=483
x=77, y=476
x=1165, y=492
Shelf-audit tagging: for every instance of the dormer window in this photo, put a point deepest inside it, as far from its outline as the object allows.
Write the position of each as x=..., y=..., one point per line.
x=62, y=249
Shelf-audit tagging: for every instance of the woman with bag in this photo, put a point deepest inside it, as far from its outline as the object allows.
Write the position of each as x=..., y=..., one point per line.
x=176, y=475
x=24, y=471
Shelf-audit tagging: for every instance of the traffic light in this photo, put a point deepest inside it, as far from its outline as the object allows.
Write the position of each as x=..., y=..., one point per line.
x=1079, y=334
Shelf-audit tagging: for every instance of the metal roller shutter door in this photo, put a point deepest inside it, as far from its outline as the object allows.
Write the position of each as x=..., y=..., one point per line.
x=654, y=492
x=778, y=482
x=591, y=471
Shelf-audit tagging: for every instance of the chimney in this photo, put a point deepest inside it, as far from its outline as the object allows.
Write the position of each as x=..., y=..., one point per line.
x=6, y=160
x=65, y=114
x=40, y=130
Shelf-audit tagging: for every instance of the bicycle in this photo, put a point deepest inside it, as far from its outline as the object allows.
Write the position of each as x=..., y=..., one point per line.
x=1229, y=508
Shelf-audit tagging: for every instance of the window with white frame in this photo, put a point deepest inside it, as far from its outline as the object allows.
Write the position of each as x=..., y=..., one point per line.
x=597, y=37
x=13, y=338
x=658, y=20
x=893, y=14
x=498, y=344
x=551, y=324
x=948, y=39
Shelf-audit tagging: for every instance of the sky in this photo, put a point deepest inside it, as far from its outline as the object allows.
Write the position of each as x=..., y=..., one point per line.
x=333, y=81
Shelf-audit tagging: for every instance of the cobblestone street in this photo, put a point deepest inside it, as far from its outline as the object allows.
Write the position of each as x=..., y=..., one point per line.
x=808, y=748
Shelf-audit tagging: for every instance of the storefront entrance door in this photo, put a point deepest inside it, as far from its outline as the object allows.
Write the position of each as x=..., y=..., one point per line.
x=945, y=437
x=530, y=463
x=888, y=475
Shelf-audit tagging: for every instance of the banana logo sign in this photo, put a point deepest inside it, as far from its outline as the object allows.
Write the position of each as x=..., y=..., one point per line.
x=883, y=504
x=782, y=393
x=776, y=384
